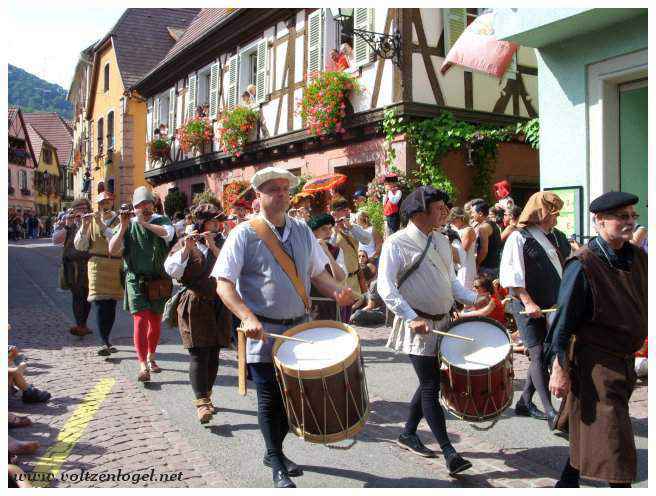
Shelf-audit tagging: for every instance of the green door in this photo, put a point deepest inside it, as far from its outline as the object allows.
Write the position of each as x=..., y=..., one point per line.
x=633, y=143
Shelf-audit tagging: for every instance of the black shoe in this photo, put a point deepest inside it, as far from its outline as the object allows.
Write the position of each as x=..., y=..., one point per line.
x=411, y=442
x=104, y=351
x=293, y=470
x=456, y=464
x=111, y=348
x=34, y=395
x=529, y=411
x=568, y=483
x=281, y=480
x=552, y=419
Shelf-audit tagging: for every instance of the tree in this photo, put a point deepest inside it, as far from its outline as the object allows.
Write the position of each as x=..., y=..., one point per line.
x=175, y=201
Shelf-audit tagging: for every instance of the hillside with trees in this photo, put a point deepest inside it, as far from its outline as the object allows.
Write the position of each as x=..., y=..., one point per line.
x=32, y=94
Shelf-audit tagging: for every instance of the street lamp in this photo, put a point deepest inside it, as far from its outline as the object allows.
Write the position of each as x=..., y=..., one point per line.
x=385, y=46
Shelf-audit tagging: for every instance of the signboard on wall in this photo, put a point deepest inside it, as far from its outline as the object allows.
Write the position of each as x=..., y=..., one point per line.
x=570, y=220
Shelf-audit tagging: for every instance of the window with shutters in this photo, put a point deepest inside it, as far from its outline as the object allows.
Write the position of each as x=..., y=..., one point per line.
x=191, y=97
x=106, y=78
x=252, y=84
x=110, y=130
x=101, y=133
x=315, y=28
x=203, y=91
x=455, y=22
x=362, y=19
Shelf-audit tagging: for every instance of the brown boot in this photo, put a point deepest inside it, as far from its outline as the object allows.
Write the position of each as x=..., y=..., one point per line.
x=79, y=331
x=204, y=410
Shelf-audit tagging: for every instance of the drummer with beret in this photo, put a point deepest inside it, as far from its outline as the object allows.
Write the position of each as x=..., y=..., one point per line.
x=418, y=284
x=204, y=321
x=531, y=269
x=601, y=323
x=255, y=287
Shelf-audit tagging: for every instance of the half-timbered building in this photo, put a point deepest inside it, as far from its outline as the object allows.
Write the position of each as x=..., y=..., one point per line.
x=225, y=51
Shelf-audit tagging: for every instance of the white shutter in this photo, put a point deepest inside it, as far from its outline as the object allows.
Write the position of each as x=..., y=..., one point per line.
x=156, y=115
x=362, y=19
x=231, y=101
x=214, y=91
x=511, y=72
x=455, y=22
x=261, y=72
x=315, y=43
x=191, y=97
x=149, y=122
x=172, y=104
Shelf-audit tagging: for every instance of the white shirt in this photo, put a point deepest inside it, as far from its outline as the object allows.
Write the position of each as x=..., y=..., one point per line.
x=231, y=259
x=421, y=290
x=368, y=248
x=512, y=272
x=394, y=196
x=175, y=266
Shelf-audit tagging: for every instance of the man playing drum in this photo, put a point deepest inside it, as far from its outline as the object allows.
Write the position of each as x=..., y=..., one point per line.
x=418, y=283
x=265, y=296
x=603, y=307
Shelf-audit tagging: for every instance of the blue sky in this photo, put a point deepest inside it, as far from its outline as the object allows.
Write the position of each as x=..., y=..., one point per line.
x=47, y=38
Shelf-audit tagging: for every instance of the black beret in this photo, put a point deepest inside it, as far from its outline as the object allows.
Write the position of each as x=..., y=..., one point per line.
x=612, y=201
x=418, y=200
x=320, y=220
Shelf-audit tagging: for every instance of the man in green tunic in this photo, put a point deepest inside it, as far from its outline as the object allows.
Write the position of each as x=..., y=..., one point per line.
x=143, y=241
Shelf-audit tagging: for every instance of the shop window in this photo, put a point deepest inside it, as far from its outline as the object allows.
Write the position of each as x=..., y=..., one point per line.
x=197, y=188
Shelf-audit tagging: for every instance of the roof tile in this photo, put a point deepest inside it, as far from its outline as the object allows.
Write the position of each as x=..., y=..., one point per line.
x=51, y=127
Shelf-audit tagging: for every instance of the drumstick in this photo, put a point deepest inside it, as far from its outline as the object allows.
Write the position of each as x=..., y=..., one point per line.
x=546, y=310
x=450, y=335
x=241, y=362
x=280, y=336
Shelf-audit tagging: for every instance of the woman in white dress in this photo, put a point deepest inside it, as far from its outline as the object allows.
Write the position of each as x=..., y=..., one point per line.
x=467, y=271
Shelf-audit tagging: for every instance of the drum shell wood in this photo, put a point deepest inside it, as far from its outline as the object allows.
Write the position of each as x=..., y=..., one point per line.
x=329, y=404
x=480, y=394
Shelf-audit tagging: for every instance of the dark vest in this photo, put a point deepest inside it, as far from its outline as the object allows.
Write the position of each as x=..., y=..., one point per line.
x=542, y=279
x=619, y=300
x=494, y=245
x=196, y=276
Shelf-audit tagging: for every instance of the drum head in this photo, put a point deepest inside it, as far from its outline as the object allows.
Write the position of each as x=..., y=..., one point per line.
x=330, y=346
x=490, y=347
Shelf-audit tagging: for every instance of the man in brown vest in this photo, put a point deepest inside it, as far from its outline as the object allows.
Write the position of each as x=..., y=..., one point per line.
x=603, y=307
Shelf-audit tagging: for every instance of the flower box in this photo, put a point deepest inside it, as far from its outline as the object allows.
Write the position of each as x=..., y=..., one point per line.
x=159, y=149
x=237, y=129
x=323, y=106
x=194, y=134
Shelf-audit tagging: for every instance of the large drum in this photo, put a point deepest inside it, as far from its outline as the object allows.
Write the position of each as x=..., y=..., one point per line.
x=323, y=383
x=476, y=379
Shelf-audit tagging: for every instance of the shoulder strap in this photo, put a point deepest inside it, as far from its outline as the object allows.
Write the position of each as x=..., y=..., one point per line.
x=265, y=233
x=415, y=265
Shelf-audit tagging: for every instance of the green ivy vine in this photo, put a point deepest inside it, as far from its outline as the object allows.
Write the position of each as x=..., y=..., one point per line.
x=434, y=138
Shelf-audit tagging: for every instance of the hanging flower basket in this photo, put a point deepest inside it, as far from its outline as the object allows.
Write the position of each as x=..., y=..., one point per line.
x=195, y=133
x=159, y=149
x=236, y=126
x=323, y=105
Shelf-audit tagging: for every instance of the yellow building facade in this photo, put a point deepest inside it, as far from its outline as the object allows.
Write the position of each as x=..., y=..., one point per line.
x=47, y=180
x=117, y=123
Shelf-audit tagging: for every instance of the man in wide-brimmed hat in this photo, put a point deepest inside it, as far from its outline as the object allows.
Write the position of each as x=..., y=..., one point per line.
x=531, y=269
x=73, y=274
x=143, y=241
x=265, y=296
x=203, y=319
x=105, y=287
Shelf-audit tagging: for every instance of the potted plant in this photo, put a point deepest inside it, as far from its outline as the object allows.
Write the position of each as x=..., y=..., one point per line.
x=233, y=190
x=236, y=126
x=323, y=106
x=194, y=134
x=159, y=149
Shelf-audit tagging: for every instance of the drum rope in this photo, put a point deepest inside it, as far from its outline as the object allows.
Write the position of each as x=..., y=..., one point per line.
x=288, y=400
x=304, y=400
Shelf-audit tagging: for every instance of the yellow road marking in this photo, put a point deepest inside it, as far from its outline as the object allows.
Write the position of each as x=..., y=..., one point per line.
x=49, y=465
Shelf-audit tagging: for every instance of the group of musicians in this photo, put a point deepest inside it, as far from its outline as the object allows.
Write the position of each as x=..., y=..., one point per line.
x=265, y=269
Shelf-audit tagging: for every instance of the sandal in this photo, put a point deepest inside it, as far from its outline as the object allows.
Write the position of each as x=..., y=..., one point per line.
x=153, y=367
x=144, y=376
x=18, y=421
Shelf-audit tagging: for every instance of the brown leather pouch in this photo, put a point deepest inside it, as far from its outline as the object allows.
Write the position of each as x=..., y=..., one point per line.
x=159, y=289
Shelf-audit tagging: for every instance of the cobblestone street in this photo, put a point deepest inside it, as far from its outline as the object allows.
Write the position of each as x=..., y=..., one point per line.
x=101, y=421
